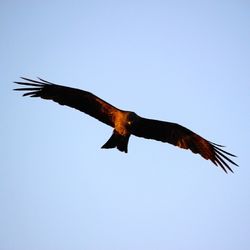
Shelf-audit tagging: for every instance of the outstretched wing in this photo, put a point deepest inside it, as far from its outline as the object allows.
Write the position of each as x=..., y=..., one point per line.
x=74, y=98
x=184, y=138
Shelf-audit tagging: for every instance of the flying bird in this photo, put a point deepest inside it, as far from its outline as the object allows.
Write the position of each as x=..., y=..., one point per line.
x=127, y=123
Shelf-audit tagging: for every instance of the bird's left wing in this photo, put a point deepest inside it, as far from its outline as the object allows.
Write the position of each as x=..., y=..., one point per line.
x=184, y=138
x=74, y=98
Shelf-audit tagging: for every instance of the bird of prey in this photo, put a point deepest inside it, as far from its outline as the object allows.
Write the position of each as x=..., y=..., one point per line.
x=127, y=123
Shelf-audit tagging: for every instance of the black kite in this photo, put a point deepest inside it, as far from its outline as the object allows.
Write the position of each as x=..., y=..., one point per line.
x=126, y=123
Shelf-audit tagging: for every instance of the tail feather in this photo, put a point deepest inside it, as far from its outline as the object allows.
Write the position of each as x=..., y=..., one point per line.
x=117, y=141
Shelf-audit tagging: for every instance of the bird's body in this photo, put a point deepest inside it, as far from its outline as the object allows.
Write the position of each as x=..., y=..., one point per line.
x=127, y=123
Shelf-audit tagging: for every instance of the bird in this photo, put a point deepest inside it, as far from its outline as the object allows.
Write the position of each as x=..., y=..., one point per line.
x=127, y=123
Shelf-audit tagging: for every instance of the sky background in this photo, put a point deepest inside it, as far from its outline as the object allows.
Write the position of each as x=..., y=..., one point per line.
x=181, y=61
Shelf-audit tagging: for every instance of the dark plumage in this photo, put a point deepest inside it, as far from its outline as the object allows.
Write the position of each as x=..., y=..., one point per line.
x=126, y=123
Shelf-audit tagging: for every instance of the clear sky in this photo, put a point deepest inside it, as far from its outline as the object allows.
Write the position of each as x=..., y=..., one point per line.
x=181, y=61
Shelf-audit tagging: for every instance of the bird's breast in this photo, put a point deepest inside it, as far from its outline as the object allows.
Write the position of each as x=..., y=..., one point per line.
x=121, y=122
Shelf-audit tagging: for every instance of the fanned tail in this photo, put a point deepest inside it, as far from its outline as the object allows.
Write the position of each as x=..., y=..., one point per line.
x=117, y=141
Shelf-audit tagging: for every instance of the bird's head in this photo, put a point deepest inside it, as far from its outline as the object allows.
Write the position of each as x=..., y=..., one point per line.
x=132, y=118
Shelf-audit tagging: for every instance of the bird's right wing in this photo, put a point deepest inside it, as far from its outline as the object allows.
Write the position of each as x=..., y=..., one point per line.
x=74, y=98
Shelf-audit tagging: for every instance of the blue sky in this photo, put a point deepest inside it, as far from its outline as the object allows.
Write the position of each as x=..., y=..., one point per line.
x=181, y=61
